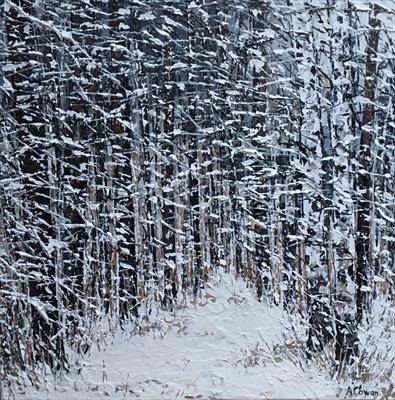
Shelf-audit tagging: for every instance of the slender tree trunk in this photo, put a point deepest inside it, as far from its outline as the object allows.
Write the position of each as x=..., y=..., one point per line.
x=364, y=178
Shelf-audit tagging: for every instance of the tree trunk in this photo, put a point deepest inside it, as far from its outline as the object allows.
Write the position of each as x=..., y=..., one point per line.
x=364, y=179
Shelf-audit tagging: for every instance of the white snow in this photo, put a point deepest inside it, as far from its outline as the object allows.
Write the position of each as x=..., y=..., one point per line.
x=216, y=348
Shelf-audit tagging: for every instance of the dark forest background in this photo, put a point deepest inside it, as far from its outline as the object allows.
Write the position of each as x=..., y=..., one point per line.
x=147, y=144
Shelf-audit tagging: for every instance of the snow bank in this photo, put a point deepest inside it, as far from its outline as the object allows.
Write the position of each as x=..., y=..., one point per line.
x=219, y=347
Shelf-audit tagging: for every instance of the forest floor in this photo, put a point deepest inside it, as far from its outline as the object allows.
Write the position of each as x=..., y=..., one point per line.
x=221, y=347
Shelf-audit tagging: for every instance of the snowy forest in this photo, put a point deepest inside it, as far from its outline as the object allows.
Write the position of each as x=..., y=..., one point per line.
x=148, y=145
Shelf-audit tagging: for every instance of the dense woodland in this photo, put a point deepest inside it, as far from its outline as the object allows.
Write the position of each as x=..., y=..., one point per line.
x=147, y=144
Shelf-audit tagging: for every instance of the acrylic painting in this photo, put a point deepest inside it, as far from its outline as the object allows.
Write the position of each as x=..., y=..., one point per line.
x=197, y=199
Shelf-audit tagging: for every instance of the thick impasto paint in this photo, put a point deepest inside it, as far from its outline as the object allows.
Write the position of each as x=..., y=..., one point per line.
x=197, y=199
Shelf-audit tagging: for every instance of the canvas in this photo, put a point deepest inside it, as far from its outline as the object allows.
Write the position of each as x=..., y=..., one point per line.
x=197, y=199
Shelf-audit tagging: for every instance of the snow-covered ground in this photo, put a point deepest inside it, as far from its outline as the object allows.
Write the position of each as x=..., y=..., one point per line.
x=220, y=347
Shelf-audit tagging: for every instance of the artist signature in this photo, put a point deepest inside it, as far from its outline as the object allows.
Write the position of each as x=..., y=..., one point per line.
x=360, y=391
